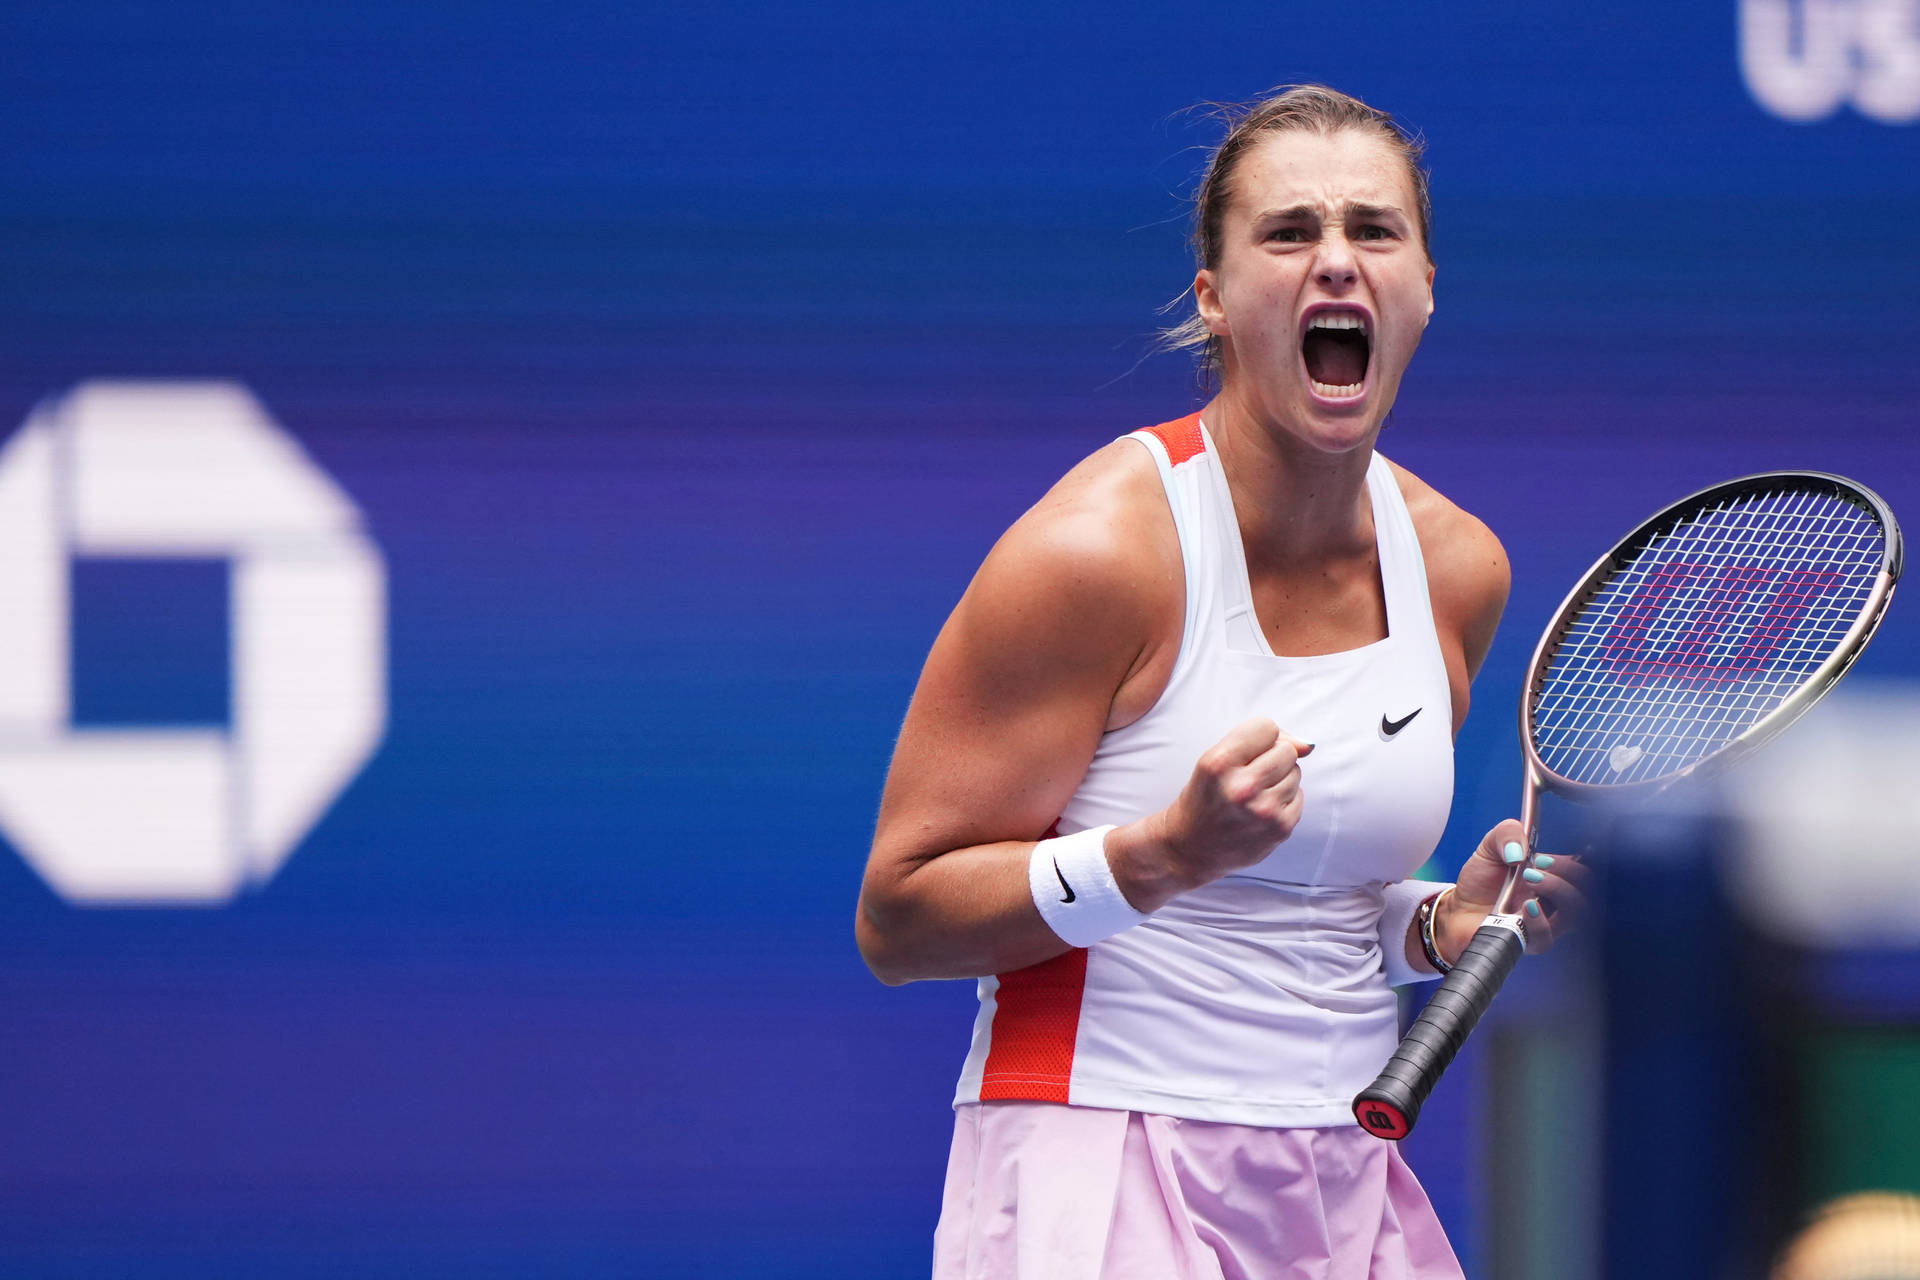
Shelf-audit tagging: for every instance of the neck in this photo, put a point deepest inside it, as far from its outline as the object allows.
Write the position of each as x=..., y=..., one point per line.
x=1294, y=503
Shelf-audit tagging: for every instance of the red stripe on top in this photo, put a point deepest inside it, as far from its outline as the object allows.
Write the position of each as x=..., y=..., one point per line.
x=1182, y=438
x=1036, y=1022
x=1036, y=1019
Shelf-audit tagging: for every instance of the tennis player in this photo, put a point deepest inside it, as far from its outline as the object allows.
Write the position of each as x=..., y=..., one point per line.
x=1175, y=754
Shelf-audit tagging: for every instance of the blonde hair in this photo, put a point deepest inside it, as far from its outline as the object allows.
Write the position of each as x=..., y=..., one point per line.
x=1300, y=108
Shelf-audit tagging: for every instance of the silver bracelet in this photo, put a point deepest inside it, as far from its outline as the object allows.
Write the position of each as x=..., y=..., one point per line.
x=1424, y=914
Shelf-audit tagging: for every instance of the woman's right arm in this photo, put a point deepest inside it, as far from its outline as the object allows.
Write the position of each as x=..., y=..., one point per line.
x=1053, y=643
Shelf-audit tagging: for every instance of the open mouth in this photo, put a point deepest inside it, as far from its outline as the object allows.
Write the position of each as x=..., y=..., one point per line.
x=1336, y=348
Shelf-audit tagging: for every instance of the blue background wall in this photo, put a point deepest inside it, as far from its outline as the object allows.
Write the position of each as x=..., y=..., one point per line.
x=684, y=363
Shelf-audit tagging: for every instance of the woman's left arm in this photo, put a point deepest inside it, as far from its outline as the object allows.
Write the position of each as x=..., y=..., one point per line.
x=1468, y=578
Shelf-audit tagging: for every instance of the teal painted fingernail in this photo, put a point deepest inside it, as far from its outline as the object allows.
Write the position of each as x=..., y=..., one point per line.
x=1533, y=908
x=1513, y=852
x=1542, y=859
x=1533, y=877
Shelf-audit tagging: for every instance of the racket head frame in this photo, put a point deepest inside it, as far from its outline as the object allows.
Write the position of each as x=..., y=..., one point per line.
x=1539, y=777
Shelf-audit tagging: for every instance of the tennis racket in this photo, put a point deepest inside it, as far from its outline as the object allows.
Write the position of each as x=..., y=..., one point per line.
x=1702, y=634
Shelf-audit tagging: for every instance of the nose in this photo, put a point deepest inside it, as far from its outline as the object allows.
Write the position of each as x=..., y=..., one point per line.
x=1336, y=268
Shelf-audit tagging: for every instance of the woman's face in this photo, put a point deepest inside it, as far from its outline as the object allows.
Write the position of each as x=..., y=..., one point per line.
x=1322, y=287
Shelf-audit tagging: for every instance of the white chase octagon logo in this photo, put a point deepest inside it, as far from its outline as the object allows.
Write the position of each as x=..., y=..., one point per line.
x=175, y=470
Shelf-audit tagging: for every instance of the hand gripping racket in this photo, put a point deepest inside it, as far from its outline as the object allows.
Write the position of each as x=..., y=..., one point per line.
x=1701, y=635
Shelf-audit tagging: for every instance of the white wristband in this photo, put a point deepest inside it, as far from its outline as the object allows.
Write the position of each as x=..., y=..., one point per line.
x=1075, y=890
x=1399, y=900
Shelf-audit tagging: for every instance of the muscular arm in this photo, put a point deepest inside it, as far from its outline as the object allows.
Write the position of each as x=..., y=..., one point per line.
x=1026, y=675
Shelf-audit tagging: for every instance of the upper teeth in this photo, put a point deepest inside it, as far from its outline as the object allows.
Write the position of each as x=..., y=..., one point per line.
x=1337, y=320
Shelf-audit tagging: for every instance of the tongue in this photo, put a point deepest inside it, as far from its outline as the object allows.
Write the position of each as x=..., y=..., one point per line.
x=1337, y=357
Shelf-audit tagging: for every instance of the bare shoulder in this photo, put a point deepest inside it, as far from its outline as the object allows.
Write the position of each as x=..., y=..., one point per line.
x=1101, y=522
x=1089, y=572
x=1041, y=654
x=1468, y=575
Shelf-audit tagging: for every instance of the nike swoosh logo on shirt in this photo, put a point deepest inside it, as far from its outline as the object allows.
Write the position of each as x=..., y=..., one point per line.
x=1063, y=882
x=1389, y=727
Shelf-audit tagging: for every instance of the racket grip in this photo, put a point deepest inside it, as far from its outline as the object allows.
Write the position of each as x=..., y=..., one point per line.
x=1388, y=1107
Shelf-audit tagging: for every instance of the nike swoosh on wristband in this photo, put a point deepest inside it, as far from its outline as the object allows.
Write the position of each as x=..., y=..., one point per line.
x=1390, y=727
x=1063, y=882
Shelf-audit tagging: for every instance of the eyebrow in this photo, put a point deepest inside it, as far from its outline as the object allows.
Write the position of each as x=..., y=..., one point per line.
x=1374, y=211
x=1303, y=212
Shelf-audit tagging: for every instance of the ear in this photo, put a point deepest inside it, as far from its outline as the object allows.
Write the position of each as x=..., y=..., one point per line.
x=1430, y=271
x=1206, y=299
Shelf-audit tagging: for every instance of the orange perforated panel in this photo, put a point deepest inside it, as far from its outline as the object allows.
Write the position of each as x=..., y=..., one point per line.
x=1036, y=1019
x=1182, y=438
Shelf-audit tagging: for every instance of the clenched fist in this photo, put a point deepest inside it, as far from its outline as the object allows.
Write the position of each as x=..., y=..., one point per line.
x=1242, y=799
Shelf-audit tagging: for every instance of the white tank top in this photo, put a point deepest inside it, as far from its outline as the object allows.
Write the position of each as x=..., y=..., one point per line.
x=1260, y=998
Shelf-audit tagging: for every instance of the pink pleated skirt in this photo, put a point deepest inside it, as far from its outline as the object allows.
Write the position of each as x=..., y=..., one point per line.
x=1040, y=1191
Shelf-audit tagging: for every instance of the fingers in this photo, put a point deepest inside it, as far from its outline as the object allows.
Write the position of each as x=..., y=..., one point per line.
x=1554, y=897
x=1551, y=893
x=1254, y=757
x=1560, y=876
x=1244, y=798
x=1279, y=761
x=1539, y=928
x=1505, y=848
x=1287, y=802
x=1558, y=885
x=1504, y=845
x=1277, y=769
x=1255, y=737
x=1266, y=783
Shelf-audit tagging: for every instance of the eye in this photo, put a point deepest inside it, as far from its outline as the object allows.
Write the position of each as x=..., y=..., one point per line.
x=1287, y=235
x=1374, y=231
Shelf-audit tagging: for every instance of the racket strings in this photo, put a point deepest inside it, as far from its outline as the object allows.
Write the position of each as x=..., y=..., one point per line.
x=1704, y=631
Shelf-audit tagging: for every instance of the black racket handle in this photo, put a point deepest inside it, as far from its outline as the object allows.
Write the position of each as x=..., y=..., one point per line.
x=1388, y=1108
